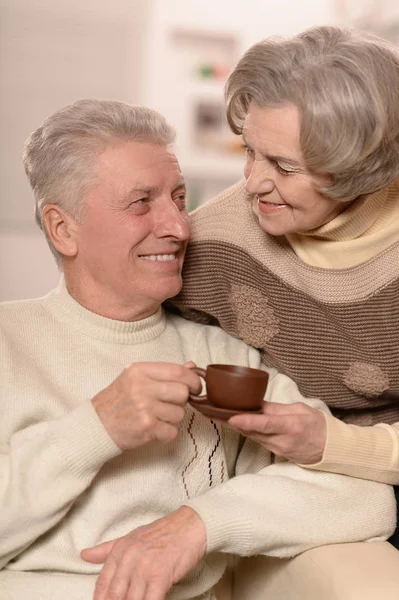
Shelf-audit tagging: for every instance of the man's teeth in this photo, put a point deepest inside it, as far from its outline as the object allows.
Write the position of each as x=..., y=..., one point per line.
x=155, y=257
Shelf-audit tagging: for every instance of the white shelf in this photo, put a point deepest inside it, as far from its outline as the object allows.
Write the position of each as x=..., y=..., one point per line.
x=200, y=89
x=226, y=168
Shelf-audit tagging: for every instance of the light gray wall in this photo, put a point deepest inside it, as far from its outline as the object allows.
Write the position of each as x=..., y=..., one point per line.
x=52, y=53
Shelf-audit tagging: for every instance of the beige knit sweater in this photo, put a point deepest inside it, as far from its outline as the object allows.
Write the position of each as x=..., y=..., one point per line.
x=64, y=485
x=323, y=307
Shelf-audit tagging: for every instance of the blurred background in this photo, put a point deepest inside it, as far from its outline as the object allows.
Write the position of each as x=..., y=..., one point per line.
x=171, y=55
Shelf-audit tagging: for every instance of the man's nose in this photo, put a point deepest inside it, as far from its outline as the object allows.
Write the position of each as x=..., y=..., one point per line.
x=170, y=221
x=260, y=178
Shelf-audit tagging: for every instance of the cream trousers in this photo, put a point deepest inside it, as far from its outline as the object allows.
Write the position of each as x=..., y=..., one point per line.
x=361, y=571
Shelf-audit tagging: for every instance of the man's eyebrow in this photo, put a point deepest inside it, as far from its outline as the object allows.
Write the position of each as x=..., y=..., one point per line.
x=150, y=189
x=146, y=189
x=181, y=184
x=276, y=158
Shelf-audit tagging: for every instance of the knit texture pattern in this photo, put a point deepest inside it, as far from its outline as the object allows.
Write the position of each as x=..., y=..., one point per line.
x=65, y=485
x=334, y=331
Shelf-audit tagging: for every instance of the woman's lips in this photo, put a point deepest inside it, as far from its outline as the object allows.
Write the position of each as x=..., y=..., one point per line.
x=269, y=208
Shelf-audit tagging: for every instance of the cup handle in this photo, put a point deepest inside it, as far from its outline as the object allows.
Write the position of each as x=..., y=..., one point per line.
x=201, y=373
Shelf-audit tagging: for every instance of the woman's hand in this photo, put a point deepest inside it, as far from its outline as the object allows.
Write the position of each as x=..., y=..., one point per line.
x=295, y=431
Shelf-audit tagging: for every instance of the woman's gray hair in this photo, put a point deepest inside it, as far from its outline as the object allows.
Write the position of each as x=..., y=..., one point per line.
x=346, y=86
x=59, y=157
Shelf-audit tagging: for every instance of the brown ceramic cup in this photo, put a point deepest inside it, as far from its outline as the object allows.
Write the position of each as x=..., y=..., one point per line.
x=233, y=387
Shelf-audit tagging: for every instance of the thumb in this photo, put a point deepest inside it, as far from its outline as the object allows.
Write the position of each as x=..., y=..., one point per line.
x=189, y=364
x=97, y=554
x=276, y=408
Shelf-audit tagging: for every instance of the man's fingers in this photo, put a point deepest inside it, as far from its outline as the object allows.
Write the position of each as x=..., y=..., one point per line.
x=169, y=391
x=137, y=589
x=169, y=372
x=118, y=586
x=97, y=554
x=155, y=592
x=103, y=581
x=165, y=432
x=169, y=413
x=190, y=365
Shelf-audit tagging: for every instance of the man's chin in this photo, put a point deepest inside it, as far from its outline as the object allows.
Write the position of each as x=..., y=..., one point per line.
x=170, y=289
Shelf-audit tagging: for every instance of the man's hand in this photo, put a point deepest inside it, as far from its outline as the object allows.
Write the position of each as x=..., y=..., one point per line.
x=295, y=431
x=144, y=564
x=146, y=403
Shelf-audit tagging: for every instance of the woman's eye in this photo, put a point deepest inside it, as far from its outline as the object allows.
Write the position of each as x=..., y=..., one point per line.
x=248, y=150
x=281, y=169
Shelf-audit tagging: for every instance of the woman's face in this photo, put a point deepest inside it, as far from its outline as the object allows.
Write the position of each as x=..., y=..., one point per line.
x=276, y=173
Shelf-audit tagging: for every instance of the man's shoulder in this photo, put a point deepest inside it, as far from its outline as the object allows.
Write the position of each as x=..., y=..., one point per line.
x=10, y=306
x=18, y=311
x=222, y=345
x=198, y=328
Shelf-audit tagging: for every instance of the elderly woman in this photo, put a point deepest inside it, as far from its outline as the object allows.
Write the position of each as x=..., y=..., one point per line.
x=302, y=259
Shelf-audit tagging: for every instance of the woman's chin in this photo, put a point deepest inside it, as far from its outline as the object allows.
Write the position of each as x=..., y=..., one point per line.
x=273, y=226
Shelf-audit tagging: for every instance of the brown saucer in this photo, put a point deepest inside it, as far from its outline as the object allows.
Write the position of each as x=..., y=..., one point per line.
x=214, y=412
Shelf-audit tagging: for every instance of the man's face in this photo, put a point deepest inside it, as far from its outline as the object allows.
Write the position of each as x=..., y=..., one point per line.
x=133, y=235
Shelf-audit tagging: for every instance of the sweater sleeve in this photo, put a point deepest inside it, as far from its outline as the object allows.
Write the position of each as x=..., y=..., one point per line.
x=365, y=452
x=282, y=509
x=43, y=469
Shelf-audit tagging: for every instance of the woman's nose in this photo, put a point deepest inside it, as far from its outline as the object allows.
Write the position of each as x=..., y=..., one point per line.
x=259, y=178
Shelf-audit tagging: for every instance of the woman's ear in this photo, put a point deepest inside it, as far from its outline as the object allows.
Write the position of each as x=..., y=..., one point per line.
x=62, y=229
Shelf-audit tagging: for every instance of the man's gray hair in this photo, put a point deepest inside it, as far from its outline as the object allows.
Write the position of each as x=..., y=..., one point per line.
x=346, y=85
x=59, y=157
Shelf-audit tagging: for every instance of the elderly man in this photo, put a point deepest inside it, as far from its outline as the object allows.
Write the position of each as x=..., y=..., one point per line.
x=99, y=448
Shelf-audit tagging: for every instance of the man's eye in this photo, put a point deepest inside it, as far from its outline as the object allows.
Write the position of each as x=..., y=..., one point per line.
x=139, y=207
x=180, y=201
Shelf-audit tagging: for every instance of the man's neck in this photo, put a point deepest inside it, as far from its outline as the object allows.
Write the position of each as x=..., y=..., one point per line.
x=105, y=303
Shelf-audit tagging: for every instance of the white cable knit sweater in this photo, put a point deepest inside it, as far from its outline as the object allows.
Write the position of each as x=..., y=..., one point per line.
x=64, y=485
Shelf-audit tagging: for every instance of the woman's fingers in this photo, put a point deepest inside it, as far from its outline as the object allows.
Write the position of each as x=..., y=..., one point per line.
x=296, y=431
x=260, y=423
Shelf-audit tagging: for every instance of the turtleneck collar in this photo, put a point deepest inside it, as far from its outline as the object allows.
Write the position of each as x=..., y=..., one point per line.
x=363, y=215
x=360, y=233
x=67, y=309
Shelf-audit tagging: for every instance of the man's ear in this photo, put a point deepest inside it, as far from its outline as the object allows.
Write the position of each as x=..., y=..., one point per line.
x=62, y=229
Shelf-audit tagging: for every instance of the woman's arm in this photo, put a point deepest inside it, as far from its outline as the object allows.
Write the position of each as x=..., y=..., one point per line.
x=317, y=440
x=365, y=452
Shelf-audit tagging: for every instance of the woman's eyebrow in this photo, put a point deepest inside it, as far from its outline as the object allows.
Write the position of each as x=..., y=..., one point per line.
x=275, y=158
